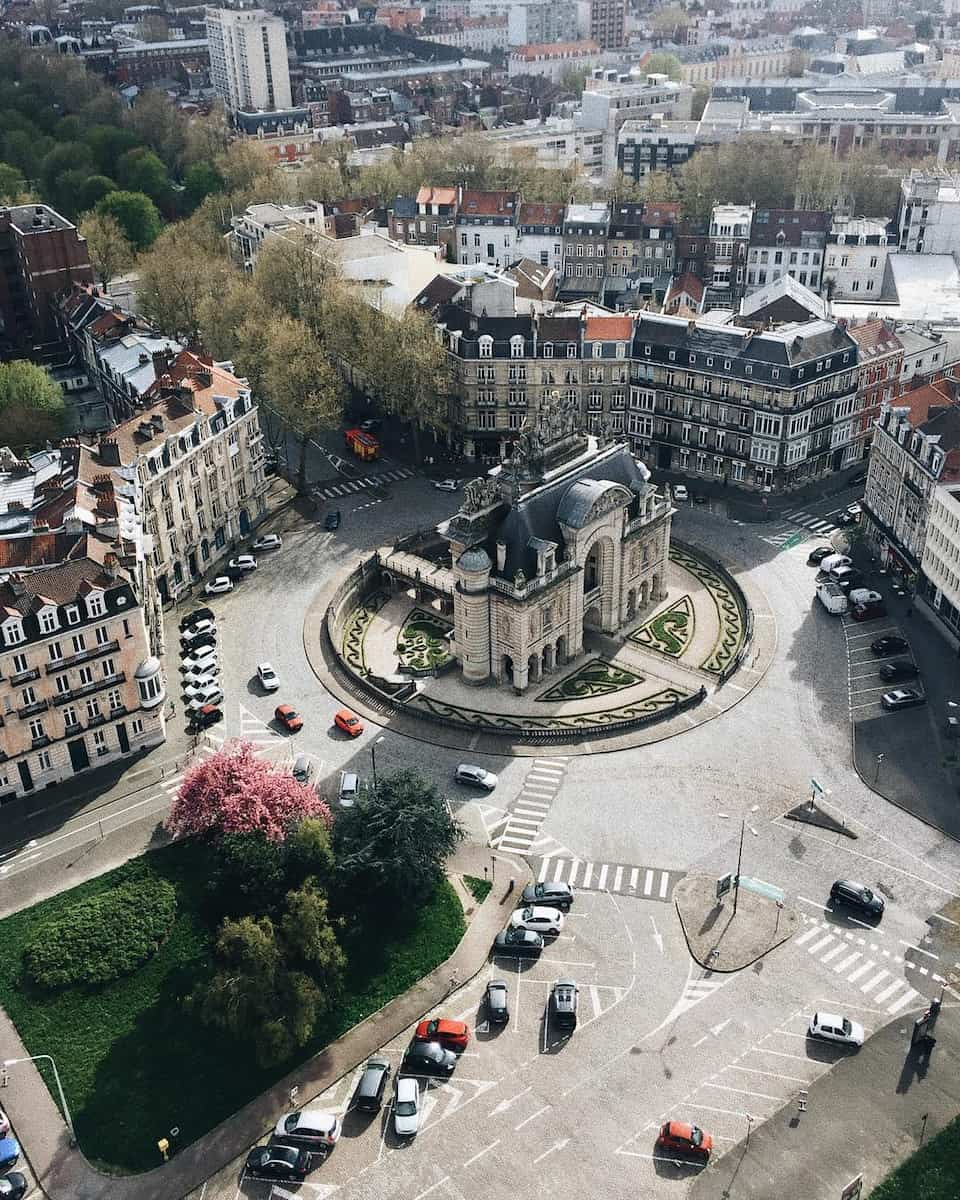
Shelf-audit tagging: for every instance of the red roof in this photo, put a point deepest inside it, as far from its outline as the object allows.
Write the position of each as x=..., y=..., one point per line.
x=538, y=50
x=541, y=214
x=489, y=204
x=437, y=195
x=666, y=213
x=609, y=329
x=686, y=283
x=874, y=338
x=920, y=400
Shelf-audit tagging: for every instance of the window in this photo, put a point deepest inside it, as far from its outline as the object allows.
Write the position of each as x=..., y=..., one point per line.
x=73, y=614
x=63, y=684
x=93, y=709
x=19, y=664
x=70, y=717
x=548, y=350
x=36, y=730
x=100, y=741
x=48, y=620
x=102, y=635
x=13, y=632
x=485, y=347
x=108, y=668
x=44, y=762
x=95, y=605
x=55, y=650
x=86, y=676
x=516, y=347
x=28, y=697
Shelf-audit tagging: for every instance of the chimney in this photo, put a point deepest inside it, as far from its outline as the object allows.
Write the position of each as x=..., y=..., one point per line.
x=501, y=556
x=159, y=363
x=108, y=451
x=17, y=585
x=110, y=565
x=157, y=421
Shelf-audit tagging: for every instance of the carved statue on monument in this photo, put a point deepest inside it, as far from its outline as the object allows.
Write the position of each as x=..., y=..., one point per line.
x=473, y=496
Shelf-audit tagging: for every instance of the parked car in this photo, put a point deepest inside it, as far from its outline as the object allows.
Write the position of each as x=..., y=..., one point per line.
x=242, y=562
x=370, y=1089
x=902, y=698
x=198, y=676
x=563, y=1004
x=195, y=617
x=858, y=896
x=209, y=693
x=868, y=612
x=4, y=1123
x=429, y=1057
x=452, y=1035
x=349, y=788
x=832, y=598
x=348, y=722
x=445, y=485
x=831, y=1027
x=406, y=1107
x=476, y=777
x=818, y=554
x=679, y=1137
x=286, y=1163
x=331, y=522
x=845, y=578
x=891, y=672
x=835, y=560
x=206, y=658
x=517, y=941
x=9, y=1152
x=269, y=679
x=196, y=628
x=219, y=586
x=699, y=498
x=193, y=644
x=206, y=716
x=540, y=920
x=310, y=1125
x=288, y=717
x=680, y=492
x=13, y=1186
x=496, y=1002
x=268, y=541
x=891, y=644
x=864, y=596
x=553, y=895
x=302, y=769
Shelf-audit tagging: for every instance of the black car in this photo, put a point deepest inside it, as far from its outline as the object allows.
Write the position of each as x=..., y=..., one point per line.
x=204, y=717
x=13, y=1186
x=370, y=1089
x=563, y=1004
x=279, y=1162
x=198, y=614
x=429, y=1056
x=518, y=941
x=857, y=478
x=550, y=895
x=818, y=554
x=496, y=1003
x=891, y=644
x=189, y=644
x=332, y=520
x=901, y=669
x=858, y=896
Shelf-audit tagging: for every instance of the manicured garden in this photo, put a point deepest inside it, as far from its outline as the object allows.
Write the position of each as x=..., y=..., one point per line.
x=422, y=643
x=933, y=1173
x=596, y=678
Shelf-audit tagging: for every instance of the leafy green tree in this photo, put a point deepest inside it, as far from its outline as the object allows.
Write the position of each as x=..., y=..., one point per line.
x=660, y=63
x=32, y=409
x=201, y=180
x=108, y=144
x=248, y=874
x=160, y=125
x=92, y=191
x=110, y=251
x=140, y=170
x=392, y=845
x=72, y=156
x=701, y=94
x=173, y=285
x=660, y=187
x=26, y=150
x=410, y=368
x=136, y=215
x=12, y=183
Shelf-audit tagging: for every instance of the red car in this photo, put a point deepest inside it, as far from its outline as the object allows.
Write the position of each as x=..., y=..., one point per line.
x=452, y=1035
x=680, y=1138
x=288, y=717
x=349, y=722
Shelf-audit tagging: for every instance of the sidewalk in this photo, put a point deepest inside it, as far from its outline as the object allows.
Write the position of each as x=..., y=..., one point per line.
x=754, y=507
x=63, y=1172
x=866, y=1115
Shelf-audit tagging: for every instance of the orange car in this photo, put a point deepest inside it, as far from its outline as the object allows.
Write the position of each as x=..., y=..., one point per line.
x=288, y=717
x=680, y=1137
x=349, y=722
x=452, y=1035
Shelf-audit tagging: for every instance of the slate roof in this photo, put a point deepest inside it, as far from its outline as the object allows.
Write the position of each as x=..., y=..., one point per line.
x=793, y=223
x=542, y=215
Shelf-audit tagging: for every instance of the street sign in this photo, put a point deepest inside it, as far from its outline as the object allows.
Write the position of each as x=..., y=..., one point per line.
x=762, y=889
x=724, y=884
x=853, y=1190
x=816, y=786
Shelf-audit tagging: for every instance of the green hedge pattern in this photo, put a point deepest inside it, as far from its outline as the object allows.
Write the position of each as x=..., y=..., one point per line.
x=422, y=642
x=670, y=631
x=732, y=625
x=597, y=678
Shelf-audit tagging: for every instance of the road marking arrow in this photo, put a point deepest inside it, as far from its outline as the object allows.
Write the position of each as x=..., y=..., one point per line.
x=505, y=1104
x=657, y=935
x=555, y=1146
x=716, y=1030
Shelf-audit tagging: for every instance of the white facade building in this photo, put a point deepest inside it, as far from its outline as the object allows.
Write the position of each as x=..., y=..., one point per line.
x=929, y=213
x=536, y=21
x=856, y=258
x=248, y=59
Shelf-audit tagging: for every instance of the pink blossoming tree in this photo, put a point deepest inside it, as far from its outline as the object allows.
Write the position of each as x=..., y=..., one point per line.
x=235, y=792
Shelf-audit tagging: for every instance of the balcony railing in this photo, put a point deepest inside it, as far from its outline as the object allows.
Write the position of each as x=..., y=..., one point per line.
x=62, y=664
x=37, y=706
x=87, y=689
x=26, y=676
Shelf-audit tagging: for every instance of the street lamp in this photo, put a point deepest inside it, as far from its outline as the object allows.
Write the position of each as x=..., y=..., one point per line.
x=12, y=1062
x=373, y=757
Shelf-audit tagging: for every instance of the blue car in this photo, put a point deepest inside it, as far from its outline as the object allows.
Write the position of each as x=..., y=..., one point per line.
x=9, y=1153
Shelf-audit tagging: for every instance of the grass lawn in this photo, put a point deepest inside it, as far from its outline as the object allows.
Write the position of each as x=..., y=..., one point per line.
x=479, y=888
x=930, y=1174
x=133, y=1066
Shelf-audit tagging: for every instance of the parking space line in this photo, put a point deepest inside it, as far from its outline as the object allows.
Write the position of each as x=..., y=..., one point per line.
x=471, y=1161
x=532, y=1117
x=575, y=867
x=587, y=874
x=595, y=998
x=730, y=1112
x=779, y=1054
x=648, y=883
x=634, y=876
x=432, y=1188
x=769, y=1074
x=815, y=903
x=602, y=880
x=740, y=1091
x=919, y=949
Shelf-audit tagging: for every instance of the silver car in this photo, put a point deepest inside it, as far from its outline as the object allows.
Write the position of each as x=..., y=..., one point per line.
x=476, y=777
x=406, y=1107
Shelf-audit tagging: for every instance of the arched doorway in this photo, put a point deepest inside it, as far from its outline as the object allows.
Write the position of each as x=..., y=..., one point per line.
x=561, y=656
x=506, y=669
x=591, y=617
x=655, y=588
x=548, y=658
x=643, y=594
x=533, y=668
x=631, y=604
x=591, y=568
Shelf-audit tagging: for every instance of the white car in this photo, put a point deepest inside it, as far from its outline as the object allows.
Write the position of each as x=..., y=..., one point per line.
x=269, y=541
x=680, y=492
x=269, y=680
x=476, y=776
x=445, y=485
x=218, y=586
x=211, y=693
x=864, y=596
x=539, y=920
x=406, y=1107
x=4, y=1124
x=201, y=660
x=201, y=675
x=193, y=631
x=243, y=562
x=310, y=1125
x=831, y=1027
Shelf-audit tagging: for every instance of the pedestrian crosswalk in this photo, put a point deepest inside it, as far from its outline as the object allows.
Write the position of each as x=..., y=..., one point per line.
x=529, y=810
x=869, y=966
x=648, y=883
x=816, y=524
x=347, y=487
x=785, y=533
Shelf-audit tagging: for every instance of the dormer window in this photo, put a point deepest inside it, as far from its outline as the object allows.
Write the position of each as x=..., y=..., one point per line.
x=485, y=347
x=73, y=614
x=516, y=347
x=95, y=605
x=571, y=350
x=47, y=619
x=548, y=349
x=13, y=631
x=598, y=349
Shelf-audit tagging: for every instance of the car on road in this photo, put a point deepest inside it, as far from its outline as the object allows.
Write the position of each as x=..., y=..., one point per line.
x=858, y=896
x=891, y=644
x=475, y=777
x=288, y=717
x=892, y=672
x=206, y=716
x=563, y=1004
x=373, y=1082
x=902, y=698
x=219, y=586
x=371, y=424
x=406, y=1107
x=13, y=1186
x=206, y=659
x=286, y=1163
x=429, y=1057
x=243, y=562
x=452, y=1035
x=268, y=541
x=9, y=1152
x=269, y=679
x=195, y=617
x=331, y=522
x=310, y=1125
x=864, y=596
x=680, y=492
x=197, y=628
x=868, y=612
x=552, y=894
x=541, y=920
x=831, y=1027
x=699, y=498
x=818, y=554
x=680, y=1137
x=517, y=942
x=200, y=695
x=348, y=722
x=445, y=485
x=496, y=1002
x=858, y=478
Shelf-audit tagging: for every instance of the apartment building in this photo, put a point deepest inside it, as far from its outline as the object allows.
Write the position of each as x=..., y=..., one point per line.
x=880, y=352
x=612, y=97
x=486, y=227
x=607, y=23
x=725, y=254
x=540, y=234
x=654, y=145
x=552, y=59
x=856, y=258
x=939, y=581
x=535, y=22
x=79, y=685
x=929, y=219
x=585, y=229
x=196, y=449
x=249, y=68
x=786, y=241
